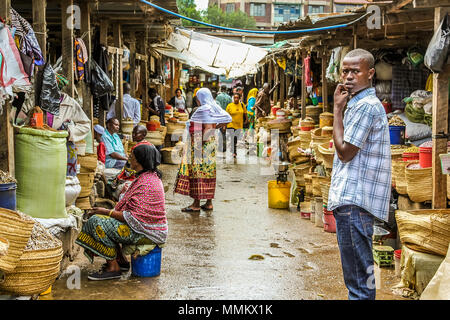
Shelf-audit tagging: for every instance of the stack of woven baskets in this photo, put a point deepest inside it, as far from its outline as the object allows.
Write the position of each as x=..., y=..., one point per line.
x=325, y=155
x=86, y=181
x=419, y=182
x=314, y=112
x=425, y=230
x=32, y=262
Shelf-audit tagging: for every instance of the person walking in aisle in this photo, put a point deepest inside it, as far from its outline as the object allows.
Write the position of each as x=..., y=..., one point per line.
x=361, y=180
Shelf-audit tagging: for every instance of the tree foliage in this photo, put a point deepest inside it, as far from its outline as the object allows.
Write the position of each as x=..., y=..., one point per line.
x=214, y=15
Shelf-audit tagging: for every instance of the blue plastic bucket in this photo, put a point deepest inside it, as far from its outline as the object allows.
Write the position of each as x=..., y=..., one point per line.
x=397, y=134
x=148, y=265
x=8, y=195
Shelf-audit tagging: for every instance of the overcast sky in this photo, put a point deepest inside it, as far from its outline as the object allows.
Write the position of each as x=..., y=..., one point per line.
x=201, y=4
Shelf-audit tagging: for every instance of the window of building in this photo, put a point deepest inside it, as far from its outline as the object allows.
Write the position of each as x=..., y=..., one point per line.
x=230, y=7
x=286, y=12
x=345, y=7
x=257, y=9
x=315, y=9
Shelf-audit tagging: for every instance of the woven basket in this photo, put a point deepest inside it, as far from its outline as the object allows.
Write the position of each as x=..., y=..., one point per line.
x=427, y=230
x=4, y=245
x=171, y=155
x=398, y=175
x=175, y=127
x=325, y=189
x=163, y=130
x=88, y=163
x=284, y=126
x=419, y=183
x=397, y=152
x=17, y=231
x=305, y=138
x=326, y=155
x=83, y=203
x=317, y=182
x=127, y=127
x=300, y=171
x=86, y=183
x=326, y=119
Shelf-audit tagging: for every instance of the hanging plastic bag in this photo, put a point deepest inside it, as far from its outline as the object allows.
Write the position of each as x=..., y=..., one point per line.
x=100, y=82
x=437, y=51
x=50, y=96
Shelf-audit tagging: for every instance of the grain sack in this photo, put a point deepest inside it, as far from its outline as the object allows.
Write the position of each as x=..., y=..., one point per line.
x=41, y=166
x=425, y=230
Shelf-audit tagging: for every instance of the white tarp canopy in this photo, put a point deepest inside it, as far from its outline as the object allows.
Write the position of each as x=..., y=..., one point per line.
x=212, y=54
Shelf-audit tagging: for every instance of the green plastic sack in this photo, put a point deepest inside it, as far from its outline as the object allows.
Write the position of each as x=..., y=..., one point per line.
x=41, y=165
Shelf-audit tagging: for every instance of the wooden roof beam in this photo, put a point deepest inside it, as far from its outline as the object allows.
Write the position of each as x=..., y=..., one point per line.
x=421, y=4
x=398, y=6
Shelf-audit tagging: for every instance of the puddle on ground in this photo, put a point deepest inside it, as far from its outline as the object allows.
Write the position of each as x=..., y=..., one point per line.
x=290, y=255
x=303, y=250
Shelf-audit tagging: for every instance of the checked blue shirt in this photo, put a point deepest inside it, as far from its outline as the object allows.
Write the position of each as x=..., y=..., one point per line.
x=365, y=181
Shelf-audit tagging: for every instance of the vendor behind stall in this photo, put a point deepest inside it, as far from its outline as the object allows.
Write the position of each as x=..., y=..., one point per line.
x=115, y=153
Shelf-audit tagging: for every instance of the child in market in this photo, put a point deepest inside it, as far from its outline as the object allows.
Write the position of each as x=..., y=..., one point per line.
x=101, y=149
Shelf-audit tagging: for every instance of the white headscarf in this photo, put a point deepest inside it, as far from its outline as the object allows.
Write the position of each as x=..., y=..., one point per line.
x=209, y=111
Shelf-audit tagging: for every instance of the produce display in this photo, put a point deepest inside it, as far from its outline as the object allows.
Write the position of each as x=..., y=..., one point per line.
x=396, y=121
x=5, y=177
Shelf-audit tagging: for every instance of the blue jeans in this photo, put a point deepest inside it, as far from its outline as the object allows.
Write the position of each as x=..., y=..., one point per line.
x=354, y=229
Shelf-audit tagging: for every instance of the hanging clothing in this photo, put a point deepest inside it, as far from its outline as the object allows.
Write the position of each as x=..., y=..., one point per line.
x=81, y=58
x=307, y=66
x=24, y=34
x=100, y=55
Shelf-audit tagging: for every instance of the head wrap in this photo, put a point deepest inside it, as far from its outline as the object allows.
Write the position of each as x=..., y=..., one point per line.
x=99, y=129
x=252, y=94
x=148, y=157
x=209, y=111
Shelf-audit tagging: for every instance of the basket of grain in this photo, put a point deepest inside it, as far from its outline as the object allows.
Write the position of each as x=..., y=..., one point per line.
x=88, y=163
x=175, y=128
x=86, y=183
x=39, y=265
x=419, y=182
x=426, y=230
x=307, y=124
x=16, y=228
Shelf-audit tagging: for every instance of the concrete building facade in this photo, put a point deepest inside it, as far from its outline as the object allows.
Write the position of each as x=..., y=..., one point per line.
x=271, y=13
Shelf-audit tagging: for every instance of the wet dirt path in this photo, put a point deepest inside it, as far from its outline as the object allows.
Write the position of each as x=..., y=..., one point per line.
x=207, y=255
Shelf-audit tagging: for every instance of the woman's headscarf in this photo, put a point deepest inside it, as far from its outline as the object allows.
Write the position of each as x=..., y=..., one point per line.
x=252, y=94
x=148, y=157
x=209, y=111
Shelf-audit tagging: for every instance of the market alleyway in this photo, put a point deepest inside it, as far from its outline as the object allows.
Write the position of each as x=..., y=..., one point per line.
x=207, y=255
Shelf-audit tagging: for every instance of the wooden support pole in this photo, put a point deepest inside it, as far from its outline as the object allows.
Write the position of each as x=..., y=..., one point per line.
x=440, y=125
x=88, y=102
x=40, y=24
x=118, y=44
x=146, y=73
x=270, y=74
x=132, y=47
x=67, y=27
x=303, y=86
x=5, y=6
x=282, y=87
x=104, y=24
x=277, y=79
x=6, y=129
x=324, y=82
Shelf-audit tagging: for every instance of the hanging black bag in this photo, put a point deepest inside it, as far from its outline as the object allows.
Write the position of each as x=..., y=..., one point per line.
x=437, y=52
x=49, y=97
x=100, y=82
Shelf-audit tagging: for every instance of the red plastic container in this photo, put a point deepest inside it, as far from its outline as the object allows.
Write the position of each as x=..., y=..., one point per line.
x=329, y=223
x=425, y=157
x=398, y=253
x=274, y=110
x=410, y=156
x=305, y=215
x=307, y=128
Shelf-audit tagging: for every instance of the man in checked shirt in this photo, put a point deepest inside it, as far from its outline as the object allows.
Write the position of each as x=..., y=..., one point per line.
x=361, y=181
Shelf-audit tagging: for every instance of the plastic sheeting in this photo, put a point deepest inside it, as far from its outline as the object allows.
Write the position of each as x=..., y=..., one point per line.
x=212, y=54
x=439, y=287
